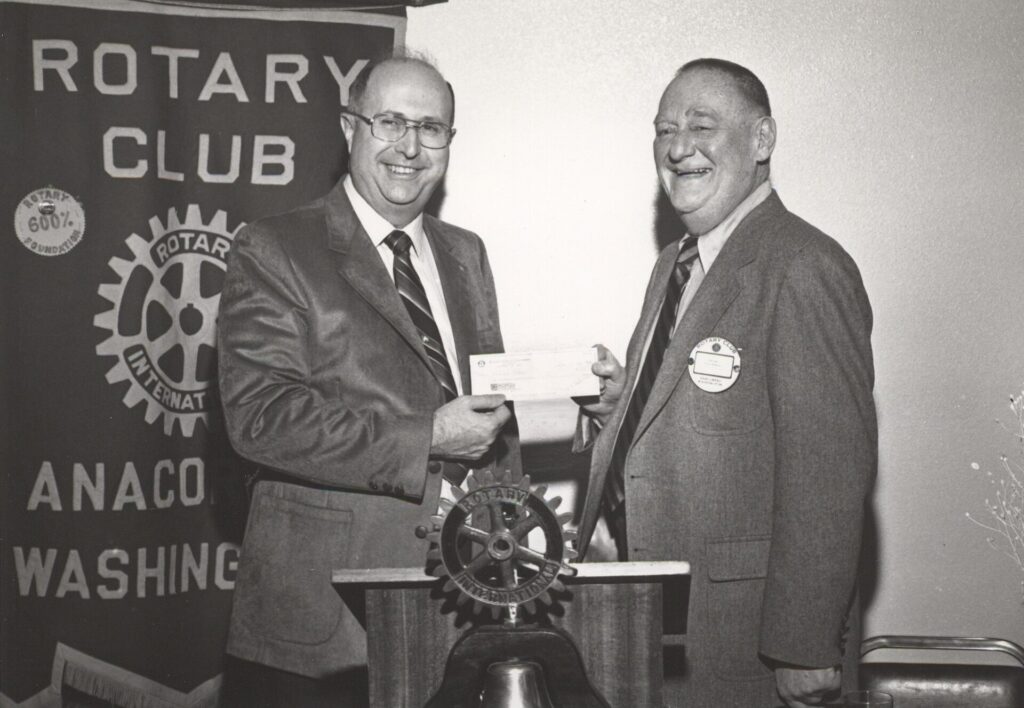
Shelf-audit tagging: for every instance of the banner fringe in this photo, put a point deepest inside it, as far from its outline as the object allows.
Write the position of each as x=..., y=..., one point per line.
x=110, y=689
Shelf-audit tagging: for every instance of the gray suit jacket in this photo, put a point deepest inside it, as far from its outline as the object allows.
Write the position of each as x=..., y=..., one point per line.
x=326, y=384
x=761, y=487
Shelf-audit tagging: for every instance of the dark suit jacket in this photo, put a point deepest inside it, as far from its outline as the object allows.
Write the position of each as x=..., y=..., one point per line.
x=326, y=383
x=760, y=487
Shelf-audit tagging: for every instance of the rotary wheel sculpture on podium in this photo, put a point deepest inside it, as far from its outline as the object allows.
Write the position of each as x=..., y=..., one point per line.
x=481, y=543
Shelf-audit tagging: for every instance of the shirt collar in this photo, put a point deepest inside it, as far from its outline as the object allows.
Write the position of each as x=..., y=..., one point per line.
x=376, y=226
x=710, y=244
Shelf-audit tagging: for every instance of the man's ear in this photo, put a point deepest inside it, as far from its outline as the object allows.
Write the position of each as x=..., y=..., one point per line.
x=764, y=137
x=348, y=127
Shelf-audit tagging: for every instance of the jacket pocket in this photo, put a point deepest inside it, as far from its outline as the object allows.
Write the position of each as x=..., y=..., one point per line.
x=737, y=568
x=741, y=408
x=290, y=550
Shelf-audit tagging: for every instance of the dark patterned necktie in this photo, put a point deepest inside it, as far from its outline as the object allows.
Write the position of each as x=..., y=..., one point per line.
x=414, y=297
x=615, y=486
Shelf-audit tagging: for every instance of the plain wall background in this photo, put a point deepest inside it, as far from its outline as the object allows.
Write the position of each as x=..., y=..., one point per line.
x=899, y=135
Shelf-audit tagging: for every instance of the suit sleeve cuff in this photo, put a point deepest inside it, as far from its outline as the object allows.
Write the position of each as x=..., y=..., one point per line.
x=587, y=430
x=413, y=463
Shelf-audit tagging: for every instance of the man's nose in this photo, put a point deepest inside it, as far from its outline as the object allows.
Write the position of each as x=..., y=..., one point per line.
x=409, y=144
x=681, y=147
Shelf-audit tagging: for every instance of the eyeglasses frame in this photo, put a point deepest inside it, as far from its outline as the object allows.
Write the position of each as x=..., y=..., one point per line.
x=414, y=124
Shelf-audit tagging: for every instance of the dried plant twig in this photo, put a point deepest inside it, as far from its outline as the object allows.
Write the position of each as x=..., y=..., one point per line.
x=1006, y=511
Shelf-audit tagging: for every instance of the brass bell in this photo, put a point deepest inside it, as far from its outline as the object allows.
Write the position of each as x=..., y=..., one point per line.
x=515, y=684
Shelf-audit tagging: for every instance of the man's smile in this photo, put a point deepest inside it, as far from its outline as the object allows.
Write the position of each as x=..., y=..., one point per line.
x=401, y=170
x=691, y=172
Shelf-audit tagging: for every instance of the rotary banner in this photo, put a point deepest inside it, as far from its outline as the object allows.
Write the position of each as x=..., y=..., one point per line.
x=138, y=138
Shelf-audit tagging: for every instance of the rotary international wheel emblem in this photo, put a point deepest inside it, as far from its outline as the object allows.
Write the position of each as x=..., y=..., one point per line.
x=483, y=543
x=164, y=317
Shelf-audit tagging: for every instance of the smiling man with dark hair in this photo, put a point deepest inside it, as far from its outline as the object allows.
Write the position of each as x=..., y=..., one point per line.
x=741, y=434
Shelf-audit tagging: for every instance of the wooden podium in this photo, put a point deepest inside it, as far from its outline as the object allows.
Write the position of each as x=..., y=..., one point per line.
x=613, y=611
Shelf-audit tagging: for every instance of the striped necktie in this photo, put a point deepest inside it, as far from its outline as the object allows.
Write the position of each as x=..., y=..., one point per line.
x=615, y=486
x=414, y=297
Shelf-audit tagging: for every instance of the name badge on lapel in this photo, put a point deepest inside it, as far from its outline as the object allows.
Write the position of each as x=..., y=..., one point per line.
x=714, y=364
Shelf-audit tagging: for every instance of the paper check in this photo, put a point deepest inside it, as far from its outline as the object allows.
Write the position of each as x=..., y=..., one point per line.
x=536, y=375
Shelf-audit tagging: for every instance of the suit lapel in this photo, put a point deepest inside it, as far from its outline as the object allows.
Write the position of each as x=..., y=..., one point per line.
x=456, y=297
x=361, y=266
x=719, y=289
x=605, y=444
x=648, y=317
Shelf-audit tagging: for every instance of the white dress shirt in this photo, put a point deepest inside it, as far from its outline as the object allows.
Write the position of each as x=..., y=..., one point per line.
x=378, y=228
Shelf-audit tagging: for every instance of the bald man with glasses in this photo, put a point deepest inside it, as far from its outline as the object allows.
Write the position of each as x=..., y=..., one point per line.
x=345, y=331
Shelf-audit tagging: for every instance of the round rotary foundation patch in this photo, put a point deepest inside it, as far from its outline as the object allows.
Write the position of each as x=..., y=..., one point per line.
x=49, y=221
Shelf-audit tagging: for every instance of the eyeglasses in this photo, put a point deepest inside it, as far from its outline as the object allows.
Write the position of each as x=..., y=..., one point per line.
x=392, y=128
